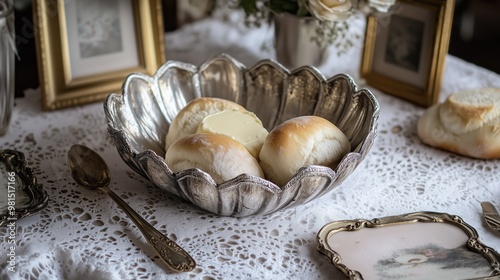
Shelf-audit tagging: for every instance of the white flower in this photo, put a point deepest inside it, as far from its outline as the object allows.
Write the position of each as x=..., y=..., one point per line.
x=381, y=5
x=330, y=10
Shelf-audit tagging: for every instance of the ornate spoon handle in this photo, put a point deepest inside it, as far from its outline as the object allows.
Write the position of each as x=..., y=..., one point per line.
x=174, y=256
x=491, y=215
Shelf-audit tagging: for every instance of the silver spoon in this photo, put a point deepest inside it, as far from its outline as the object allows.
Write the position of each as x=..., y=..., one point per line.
x=89, y=170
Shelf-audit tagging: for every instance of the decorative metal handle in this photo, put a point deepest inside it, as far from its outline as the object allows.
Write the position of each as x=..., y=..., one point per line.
x=491, y=215
x=174, y=256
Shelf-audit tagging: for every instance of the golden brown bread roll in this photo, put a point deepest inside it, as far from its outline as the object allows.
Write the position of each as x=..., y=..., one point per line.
x=218, y=155
x=189, y=118
x=467, y=123
x=298, y=142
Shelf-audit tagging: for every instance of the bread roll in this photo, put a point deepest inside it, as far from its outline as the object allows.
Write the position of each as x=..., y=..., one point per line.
x=471, y=109
x=299, y=142
x=218, y=155
x=467, y=123
x=243, y=127
x=189, y=118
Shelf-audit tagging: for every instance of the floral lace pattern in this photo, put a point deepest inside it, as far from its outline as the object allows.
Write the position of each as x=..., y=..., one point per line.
x=83, y=234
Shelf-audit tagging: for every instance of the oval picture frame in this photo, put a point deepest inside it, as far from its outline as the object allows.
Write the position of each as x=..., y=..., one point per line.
x=408, y=246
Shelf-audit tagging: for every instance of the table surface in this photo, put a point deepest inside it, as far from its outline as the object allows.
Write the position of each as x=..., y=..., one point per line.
x=84, y=234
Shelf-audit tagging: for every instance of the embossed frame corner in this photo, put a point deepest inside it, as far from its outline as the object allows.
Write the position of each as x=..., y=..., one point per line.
x=38, y=198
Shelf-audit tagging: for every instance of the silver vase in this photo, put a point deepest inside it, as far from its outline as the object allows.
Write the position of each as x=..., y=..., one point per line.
x=7, y=52
x=293, y=41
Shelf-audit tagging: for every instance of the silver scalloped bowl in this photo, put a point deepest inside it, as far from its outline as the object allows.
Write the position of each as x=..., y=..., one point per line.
x=139, y=120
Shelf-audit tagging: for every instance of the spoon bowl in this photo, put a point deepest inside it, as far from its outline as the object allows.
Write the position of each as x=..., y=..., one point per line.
x=89, y=170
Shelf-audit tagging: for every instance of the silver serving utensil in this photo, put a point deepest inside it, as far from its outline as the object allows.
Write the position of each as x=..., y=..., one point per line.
x=491, y=215
x=90, y=170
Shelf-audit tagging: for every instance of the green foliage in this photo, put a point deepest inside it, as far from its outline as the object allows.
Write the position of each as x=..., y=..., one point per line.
x=283, y=6
x=334, y=33
x=249, y=6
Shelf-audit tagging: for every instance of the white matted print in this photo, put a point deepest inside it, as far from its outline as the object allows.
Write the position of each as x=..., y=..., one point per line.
x=405, y=46
x=101, y=36
x=86, y=48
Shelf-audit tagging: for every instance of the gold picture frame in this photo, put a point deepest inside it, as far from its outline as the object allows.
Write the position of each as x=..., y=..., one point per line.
x=404, y=51
x=425, y=245
x=85, y=49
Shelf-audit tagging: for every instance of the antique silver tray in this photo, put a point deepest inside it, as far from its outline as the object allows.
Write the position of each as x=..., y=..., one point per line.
x=139, y=118
x=421, y=245
x=21, y=194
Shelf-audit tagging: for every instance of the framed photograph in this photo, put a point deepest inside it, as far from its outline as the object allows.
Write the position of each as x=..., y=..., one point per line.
x=405, y=50
x=421, y=245
x=86, y=48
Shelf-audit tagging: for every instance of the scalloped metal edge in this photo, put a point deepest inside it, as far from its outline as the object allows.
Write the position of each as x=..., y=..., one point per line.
x=139, y=161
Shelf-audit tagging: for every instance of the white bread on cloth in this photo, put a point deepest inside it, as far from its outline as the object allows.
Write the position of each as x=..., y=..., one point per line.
x=220, y=156
x=298, y=142
x=189, y=118
x=466, y=123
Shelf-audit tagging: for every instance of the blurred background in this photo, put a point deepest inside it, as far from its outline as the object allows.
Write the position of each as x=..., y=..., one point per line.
x=475, y=35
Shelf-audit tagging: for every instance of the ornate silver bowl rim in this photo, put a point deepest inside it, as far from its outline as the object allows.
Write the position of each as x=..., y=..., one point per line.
x=139, y=134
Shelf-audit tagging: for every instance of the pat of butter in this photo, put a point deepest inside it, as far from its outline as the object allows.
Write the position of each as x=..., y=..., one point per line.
x=243, y=127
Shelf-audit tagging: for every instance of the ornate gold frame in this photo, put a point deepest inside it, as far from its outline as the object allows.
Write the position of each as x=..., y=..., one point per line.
x=59, y=89
x=473, y=244
x=429, y=94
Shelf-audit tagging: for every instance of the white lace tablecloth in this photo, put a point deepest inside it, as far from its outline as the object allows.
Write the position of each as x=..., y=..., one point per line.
x=83, y=235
